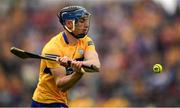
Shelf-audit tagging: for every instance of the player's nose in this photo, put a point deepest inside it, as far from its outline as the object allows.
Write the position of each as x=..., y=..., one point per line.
x=86, y=24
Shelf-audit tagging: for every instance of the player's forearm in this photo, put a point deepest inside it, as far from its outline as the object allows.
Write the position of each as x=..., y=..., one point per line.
x=69, y=81
x=94, y=62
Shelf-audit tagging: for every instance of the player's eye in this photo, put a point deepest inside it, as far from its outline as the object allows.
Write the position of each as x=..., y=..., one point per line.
x=81, y=20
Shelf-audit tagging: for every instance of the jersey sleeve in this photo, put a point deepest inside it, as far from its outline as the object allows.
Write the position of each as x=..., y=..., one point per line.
x=90, y=44
x=52, y=52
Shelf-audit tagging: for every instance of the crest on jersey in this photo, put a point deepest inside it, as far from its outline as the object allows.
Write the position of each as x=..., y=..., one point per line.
x=81, y=51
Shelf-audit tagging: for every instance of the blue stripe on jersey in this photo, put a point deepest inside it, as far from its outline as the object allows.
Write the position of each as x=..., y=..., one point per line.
x=37, y=104
x=65, y=38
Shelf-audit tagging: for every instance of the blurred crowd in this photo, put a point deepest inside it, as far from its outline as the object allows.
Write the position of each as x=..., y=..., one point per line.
x=130, y=38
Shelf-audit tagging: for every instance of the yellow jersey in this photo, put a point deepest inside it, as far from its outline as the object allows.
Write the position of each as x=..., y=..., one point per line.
x=47, y=91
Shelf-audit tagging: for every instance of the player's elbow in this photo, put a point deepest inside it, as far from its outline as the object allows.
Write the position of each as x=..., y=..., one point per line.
x=63, y=89
x=61, y=86
x=98, y=68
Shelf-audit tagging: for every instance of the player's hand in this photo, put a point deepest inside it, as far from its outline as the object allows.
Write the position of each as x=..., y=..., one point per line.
x=76, y=65
x=64, y=61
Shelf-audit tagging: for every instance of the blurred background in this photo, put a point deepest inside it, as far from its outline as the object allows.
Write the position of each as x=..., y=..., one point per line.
x=130, y=36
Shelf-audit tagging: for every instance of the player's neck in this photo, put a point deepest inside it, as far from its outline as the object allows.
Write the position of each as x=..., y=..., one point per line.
x=71, y=39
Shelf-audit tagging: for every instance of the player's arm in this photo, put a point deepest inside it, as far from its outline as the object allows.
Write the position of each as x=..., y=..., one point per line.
x=63, y=81
x=91, y=58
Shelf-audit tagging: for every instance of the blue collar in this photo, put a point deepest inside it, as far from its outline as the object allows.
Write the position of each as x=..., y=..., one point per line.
x=65, y=38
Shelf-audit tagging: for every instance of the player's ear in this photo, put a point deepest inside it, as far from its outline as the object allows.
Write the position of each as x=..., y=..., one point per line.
x=69, y=24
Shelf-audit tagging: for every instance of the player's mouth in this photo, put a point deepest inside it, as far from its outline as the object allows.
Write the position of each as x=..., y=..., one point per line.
x=85, y=30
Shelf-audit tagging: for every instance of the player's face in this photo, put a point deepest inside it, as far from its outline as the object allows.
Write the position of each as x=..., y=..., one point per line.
x=82, y=25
